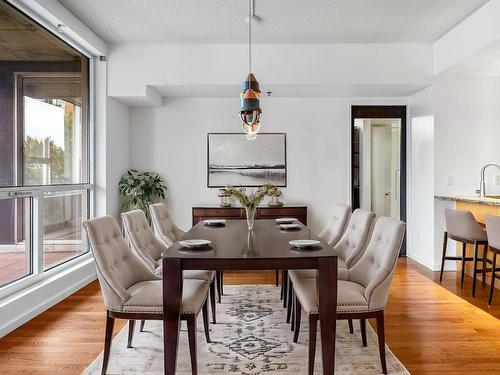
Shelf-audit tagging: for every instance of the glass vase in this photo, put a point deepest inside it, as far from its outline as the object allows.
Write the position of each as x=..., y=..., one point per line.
x=250, y=211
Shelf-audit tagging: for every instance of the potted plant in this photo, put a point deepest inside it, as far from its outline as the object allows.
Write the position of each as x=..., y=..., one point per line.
x=251, y=201
x=140, y=189
x=275, y=194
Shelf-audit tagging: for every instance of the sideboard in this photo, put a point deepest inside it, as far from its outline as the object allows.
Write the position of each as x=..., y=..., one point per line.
x=238, y=213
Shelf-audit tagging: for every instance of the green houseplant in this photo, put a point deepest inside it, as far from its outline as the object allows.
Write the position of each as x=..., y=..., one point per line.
x=139, y=189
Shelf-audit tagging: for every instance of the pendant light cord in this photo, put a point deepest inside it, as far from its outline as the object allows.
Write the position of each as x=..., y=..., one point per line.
x=250, y=8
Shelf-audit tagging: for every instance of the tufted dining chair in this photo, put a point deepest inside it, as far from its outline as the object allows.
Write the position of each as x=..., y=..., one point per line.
x=349, y=249
x=148, y=248
x=163, y=226
x=363, y=293
x=336, y=225
x=167, y=232
x=132, y=291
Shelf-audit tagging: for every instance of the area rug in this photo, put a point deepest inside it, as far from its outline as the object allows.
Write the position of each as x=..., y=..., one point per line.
x=250, y=337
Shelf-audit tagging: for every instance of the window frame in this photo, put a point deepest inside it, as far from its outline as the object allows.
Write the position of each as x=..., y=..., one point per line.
x=19, y=118
x=36, y=192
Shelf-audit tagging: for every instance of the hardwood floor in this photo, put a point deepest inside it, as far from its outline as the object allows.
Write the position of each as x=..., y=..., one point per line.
x=428, y=327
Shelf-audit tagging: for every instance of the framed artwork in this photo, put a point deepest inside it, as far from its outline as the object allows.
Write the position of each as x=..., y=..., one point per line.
x=234, y=160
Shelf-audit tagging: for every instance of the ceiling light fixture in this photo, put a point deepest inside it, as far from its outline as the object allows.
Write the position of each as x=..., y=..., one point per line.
x=250, y=93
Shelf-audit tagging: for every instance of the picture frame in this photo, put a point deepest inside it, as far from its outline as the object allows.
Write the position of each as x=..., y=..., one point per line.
x=233, y=160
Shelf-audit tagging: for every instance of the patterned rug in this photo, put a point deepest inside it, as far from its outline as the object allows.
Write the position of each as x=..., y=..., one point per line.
x=250, y=337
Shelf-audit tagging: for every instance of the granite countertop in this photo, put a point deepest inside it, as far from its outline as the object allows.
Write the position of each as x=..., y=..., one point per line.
x=490, y=201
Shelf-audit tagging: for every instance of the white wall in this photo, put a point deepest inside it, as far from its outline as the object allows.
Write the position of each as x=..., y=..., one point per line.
x=173, y=141
x=117, y=152
x=467, y=130
x=421, y=187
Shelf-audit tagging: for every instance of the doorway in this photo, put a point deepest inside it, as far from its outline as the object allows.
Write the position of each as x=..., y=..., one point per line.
x=379, y=161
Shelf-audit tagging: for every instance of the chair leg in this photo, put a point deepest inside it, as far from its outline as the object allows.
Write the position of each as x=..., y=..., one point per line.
x=191, y=328
x=485, y=257
x=222, y=282
x=474, y=269
x=351, y=326
x=381, y=341
x=292, y=325
x=131, y=325
x=205, y=320
x=464, y=247
x=443, y=258
x=492, y=285
x=277, y=278
x=282, y=297
x=219, y=282
x=141, y=328
x=362, y=324
x=110, y=323
x=284, y=276
x=290, y=299
x=313, y=328
x=298, y=312
x=212, y=299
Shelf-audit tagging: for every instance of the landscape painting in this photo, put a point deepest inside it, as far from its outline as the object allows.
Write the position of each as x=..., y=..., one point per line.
x=236, y=161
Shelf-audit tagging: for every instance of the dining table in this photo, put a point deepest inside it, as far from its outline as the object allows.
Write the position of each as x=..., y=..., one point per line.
x=234, y=247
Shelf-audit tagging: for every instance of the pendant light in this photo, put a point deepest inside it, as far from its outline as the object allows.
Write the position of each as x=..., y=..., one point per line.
x=250, y=93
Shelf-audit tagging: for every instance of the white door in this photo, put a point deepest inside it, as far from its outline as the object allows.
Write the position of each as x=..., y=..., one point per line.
x=381, y=169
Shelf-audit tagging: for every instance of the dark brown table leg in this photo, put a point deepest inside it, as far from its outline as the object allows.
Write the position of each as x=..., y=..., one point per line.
x=172, y=299
x=327, y=299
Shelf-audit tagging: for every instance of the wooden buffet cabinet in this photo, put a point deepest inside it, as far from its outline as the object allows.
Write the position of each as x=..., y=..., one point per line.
x=238, y=213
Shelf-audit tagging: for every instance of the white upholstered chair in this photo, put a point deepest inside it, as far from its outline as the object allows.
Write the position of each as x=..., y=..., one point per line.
x=148, y=248
x=132, y=291
x=336, y=225
x=349, y=249
x=167, y=232
x=363, y=293
x=163, y=226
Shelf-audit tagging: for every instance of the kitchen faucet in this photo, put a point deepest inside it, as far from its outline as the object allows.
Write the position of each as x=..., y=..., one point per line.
x=482, y=184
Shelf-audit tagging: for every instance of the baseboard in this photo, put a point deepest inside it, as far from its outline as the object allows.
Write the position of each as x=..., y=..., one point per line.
x=25, y=305
x=423, y=262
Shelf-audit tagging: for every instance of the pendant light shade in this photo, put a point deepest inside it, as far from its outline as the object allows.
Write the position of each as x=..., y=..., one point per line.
x=250, y=109
x=250, y=92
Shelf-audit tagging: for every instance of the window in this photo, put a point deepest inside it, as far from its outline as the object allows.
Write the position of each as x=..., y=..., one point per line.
x=16, y=246
x=45, y=189
x=51, y=122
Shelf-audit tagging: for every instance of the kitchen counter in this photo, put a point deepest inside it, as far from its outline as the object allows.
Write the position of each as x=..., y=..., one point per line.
x=490, y=201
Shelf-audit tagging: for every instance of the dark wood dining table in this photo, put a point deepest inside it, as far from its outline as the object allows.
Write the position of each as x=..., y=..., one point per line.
x=234, y=247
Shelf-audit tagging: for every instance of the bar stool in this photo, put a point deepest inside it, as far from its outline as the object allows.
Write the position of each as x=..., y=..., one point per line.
x=462, y=227
x=493, y=229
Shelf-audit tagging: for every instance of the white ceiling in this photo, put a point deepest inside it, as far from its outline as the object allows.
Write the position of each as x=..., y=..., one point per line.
x=283, y=21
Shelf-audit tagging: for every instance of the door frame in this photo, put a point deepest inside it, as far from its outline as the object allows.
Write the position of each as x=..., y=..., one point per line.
x=385, y=111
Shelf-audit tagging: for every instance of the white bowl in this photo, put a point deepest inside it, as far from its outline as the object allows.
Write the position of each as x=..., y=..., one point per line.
x=301, y=244
x=194, y=243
